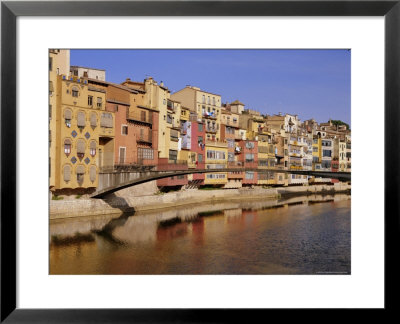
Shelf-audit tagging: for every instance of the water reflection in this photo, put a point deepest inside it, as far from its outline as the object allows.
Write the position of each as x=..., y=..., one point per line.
x=301, y=235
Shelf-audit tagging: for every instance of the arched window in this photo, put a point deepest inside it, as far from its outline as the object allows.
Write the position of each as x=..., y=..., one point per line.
x=67, y=146
x=80, y=173
x=93, y=119
x=80, y=148
x=75, y=91
x=67, y=117
x=93, y=148
x=81, y=119
x=93, y=173
x=67, y=173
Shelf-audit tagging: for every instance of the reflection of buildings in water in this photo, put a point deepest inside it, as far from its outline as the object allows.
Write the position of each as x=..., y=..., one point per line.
x=143, y=227
x=166, y=233
x=70, y=227
x=135, y=230
x=250, y=216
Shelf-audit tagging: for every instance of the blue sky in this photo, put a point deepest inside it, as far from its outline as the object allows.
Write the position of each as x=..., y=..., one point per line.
x=310, y=83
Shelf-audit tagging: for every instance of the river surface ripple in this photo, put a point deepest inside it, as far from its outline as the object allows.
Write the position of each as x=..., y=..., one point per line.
x=300, y=235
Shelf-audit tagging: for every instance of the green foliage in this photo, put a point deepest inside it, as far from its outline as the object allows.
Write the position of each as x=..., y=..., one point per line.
x=55, y=197
x=78, y=196
x=339, y=122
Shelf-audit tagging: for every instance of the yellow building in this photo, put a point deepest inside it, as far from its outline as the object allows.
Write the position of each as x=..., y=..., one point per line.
x=85, y=134
x=58, y=64
x=205, y=104
x=317, y=152
x=216, y=157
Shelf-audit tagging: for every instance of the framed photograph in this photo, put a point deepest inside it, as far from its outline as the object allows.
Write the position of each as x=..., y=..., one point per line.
x=196, y=262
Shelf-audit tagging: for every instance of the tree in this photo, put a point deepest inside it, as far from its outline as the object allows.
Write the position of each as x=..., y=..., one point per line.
x=339, y=122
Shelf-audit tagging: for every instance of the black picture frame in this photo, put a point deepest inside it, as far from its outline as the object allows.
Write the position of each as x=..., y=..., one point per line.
x=10, y=10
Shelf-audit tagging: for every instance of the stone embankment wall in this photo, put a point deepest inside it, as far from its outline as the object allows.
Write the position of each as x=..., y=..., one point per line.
x=129, y=201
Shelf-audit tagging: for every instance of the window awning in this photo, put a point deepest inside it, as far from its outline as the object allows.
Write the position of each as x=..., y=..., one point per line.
x=67, y=114
x=80, y=146
x=80, y=169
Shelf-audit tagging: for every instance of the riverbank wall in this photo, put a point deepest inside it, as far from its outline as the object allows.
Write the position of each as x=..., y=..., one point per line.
x=118, y=204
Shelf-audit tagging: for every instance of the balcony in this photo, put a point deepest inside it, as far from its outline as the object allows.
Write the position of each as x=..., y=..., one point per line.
x=145, y=139
x=211, y=129
x=139, y=116
x=216, y=143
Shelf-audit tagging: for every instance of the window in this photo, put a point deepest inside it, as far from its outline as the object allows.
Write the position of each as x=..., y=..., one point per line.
x=231, y=142
x=208, y=100
x=249, y=145
x=106, y=120
x=169, y=119
x=326, y=164
x=174, y=135
x=99, y=102
x=90, y=100
x=326, y=153
x=80, y=148
x=204, y=99
x=249, y=175
x=93, y=173
x=81, y=119
x=92, y=148
x=50, y=111
x=315, y=149
x=93, y=119
x=213, y=102
x=67, y=173
x=75, y=92
x=58, y=71
x=145, y=153
x=122, y=155
x=249, y=157
x=124, y=130
x=67, y=117
x=231, y=157
x=173, y=155
x=200, y=157
x=200, y=127
x=67, y=146
x=315, y=159
x=50, y=64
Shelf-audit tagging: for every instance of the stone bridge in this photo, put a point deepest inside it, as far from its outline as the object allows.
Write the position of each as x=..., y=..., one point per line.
x=115, y=181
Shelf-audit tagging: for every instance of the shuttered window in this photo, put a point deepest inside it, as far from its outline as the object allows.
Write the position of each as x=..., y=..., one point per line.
x=174, y=135
x=80, y=147
x=67, y=173
x=81, y=119
x=93, y=119
x=93, y=173
x=75, y=91
x=106, y=120
x=122, y=155
x=67, y=117
x=99, y=102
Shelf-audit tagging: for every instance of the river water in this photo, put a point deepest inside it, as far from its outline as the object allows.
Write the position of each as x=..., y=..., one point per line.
x=299, y=235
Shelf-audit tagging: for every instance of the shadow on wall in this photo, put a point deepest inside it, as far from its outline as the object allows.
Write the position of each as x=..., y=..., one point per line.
x=119, y=202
